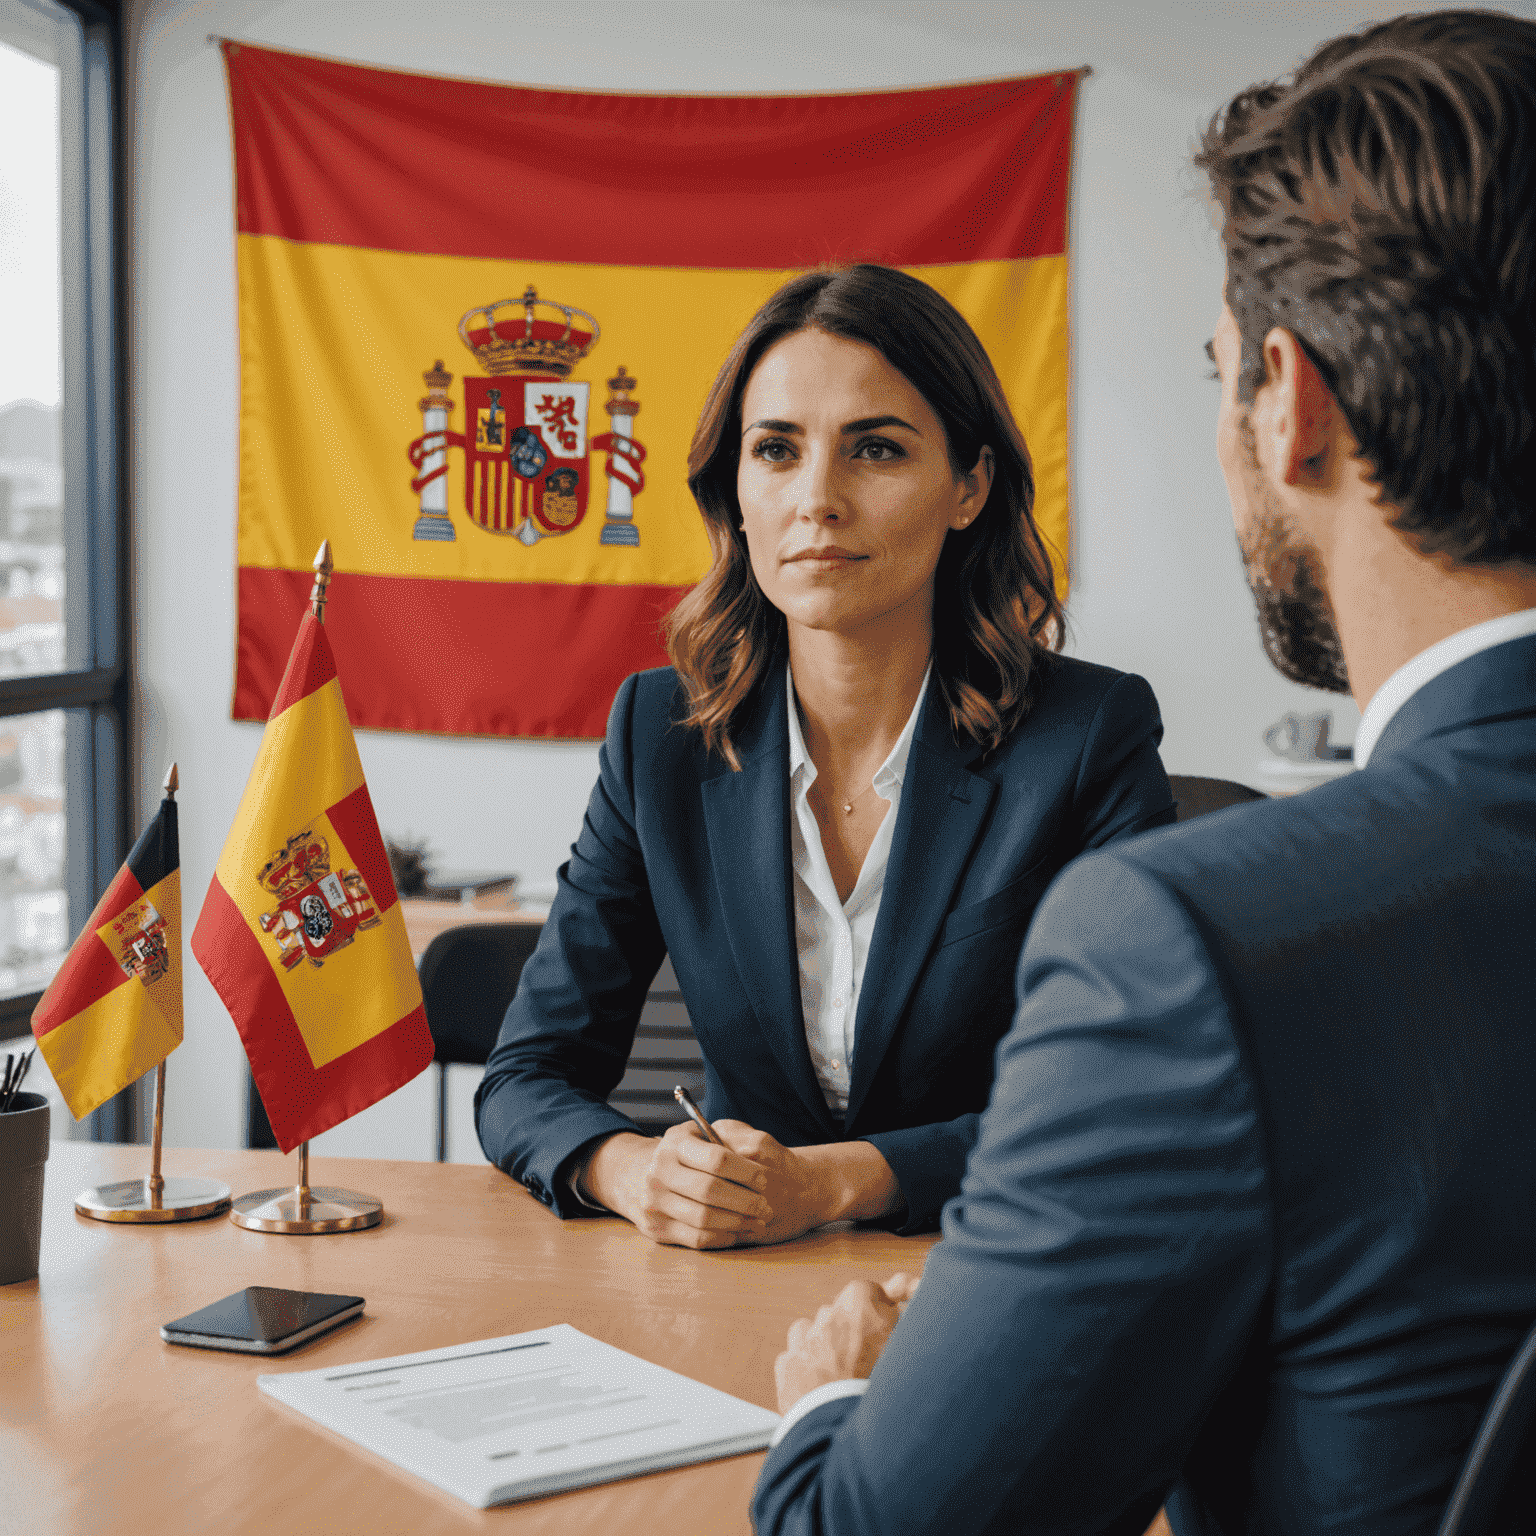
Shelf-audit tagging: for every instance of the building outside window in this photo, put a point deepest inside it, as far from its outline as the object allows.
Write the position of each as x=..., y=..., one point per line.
x=63, y=686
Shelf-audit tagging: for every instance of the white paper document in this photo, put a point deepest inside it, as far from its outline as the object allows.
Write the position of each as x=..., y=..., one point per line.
x=530, y=1414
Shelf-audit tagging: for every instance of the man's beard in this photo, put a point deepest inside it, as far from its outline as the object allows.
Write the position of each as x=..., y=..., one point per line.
x=1296, y=622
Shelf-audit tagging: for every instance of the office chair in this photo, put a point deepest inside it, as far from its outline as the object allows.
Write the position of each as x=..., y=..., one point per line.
x=258, y=1129
x=468, y=976
x=1195, y=796
x=665, y=1053
x=1492, y=1497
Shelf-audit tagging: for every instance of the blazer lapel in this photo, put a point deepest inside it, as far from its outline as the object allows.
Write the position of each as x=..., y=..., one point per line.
x=746, y=817
x=943, y=807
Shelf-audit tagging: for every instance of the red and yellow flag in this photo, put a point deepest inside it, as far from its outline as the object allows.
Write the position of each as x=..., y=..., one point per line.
x=113, y=1010
x=479, y=322
x=301, y=933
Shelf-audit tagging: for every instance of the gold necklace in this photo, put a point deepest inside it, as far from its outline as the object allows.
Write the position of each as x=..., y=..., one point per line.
x=848, y=805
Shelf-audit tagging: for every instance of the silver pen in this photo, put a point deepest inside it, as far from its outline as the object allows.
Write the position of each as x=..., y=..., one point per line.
x=683, y=1097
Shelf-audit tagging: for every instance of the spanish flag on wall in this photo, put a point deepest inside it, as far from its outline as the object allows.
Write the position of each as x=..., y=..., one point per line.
x=479, y=323
x=113, y=1010
x=301, y=933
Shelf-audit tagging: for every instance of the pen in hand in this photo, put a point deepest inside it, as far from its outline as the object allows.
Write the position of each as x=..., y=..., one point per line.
x=683, y=1097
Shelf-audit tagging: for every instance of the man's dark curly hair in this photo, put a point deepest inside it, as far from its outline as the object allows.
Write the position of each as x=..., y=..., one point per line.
x=1381, y=206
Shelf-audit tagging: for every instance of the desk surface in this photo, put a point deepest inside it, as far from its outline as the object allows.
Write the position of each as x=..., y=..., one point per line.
x=424, y=919
x=98, y=1417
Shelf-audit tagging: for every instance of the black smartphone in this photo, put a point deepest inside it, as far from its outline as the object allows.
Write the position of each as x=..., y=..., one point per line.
x=263, y=1320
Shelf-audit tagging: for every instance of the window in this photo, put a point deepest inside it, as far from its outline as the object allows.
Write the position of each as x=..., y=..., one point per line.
x=63, y=682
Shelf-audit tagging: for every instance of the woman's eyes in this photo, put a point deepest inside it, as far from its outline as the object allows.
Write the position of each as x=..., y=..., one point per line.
x=874, y=450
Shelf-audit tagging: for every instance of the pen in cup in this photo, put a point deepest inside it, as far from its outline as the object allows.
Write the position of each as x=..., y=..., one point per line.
x=683, y=1097
x=15, y=1070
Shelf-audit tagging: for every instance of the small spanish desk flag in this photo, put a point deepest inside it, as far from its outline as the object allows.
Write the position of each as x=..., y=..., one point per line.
x=113, y=1011
x=301, y=933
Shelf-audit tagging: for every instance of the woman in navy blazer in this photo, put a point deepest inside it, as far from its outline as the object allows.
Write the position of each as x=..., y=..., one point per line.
x=872, y=648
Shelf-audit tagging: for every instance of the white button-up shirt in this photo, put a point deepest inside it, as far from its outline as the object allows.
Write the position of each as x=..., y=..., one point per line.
x=832, y=937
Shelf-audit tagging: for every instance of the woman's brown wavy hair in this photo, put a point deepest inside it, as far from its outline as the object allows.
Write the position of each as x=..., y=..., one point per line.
x=995, y=610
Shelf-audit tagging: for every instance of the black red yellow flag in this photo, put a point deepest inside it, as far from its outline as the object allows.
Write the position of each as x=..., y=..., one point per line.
x=113, y=1011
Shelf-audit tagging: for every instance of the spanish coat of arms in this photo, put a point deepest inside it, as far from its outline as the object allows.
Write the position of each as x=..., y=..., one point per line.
x=140, y=946
x=526, y=440
x=317, y=912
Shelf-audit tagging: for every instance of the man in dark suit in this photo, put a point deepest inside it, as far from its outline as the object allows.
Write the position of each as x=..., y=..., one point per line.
x=1250, y=1226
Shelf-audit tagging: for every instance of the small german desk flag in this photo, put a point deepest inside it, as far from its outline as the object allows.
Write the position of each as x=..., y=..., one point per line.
x=113, y=1011
x=301, y=933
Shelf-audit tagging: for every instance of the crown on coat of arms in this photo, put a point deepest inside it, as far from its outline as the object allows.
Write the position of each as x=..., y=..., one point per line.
x=304, y=857
x=135, y=918
x=513, y=336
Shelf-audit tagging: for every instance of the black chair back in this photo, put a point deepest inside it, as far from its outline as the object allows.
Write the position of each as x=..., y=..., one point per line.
x=1496, y=1493
x=468, y=977
x=1195, y=796
x=664, y=1054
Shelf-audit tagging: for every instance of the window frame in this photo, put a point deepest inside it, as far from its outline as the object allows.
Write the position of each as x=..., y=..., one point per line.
x=95, y=688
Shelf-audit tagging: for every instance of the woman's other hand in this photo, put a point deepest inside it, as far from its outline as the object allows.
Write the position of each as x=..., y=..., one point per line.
x=810, y=1186
x=681, y=1189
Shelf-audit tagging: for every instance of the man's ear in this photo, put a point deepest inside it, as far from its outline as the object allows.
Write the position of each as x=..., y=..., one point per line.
x=1300, y=409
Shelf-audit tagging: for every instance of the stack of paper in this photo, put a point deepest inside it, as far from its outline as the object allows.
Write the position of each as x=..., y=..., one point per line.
x=530, y=1414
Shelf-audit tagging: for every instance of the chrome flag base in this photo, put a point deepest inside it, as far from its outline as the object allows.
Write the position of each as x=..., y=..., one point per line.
x=321, y=1209
x=298, y=1208
x=154, y=1198
x=134, y=1200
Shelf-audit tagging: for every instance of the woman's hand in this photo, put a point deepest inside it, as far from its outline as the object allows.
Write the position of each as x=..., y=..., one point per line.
x=680, y=1189
x=810, y=1186
x=844, y=1340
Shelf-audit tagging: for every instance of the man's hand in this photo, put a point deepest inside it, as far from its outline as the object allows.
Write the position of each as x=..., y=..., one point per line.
x=844, y=1340
x=810, y=1186
x=680, y=1189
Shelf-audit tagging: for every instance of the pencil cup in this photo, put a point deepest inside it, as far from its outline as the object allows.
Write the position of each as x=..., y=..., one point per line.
x=23, y=1151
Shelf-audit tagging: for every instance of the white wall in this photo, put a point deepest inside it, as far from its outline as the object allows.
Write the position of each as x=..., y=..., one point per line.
x=1157, y=583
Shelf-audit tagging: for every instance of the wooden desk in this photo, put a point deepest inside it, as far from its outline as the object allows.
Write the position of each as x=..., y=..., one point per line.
x=104, y=1427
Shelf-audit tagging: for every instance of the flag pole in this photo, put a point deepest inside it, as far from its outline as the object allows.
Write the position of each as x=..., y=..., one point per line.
x=298, y=1208
x=156, y=1198
x=156, y=1183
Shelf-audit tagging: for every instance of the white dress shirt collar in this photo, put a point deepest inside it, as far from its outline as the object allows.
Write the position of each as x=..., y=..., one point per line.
x=1428, y=665
x=889, y=774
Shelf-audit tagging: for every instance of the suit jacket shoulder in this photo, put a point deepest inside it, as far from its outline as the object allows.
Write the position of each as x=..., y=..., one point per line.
x=1249, y=1213
x=1100, y=729
x=1373, y=941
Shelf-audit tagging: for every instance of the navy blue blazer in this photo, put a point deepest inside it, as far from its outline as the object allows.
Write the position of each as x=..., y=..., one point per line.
x=680, y=855
x=1251, y=1222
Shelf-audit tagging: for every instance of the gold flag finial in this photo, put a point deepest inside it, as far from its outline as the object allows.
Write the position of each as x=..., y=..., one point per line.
x=323, y=568
x=172, y=783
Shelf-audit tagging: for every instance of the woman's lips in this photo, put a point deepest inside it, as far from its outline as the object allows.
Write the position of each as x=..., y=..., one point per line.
x=826, y=557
